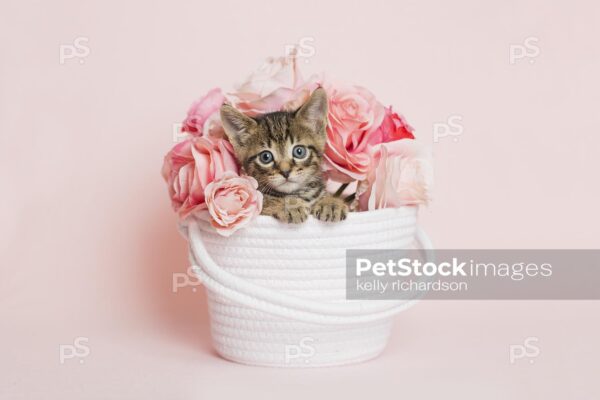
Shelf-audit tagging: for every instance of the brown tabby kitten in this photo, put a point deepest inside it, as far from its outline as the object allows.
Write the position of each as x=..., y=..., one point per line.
x=283, y=151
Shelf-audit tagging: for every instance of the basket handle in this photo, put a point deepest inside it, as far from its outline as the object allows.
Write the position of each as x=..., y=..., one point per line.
x=271, y=301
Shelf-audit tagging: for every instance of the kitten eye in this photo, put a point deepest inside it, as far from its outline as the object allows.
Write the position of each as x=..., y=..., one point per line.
x=265, y=157
x=300, y=152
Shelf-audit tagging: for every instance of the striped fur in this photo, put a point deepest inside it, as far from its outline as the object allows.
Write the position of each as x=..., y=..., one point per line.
x=293, y=187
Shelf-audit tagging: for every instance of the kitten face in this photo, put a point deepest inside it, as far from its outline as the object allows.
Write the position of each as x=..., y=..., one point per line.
x=282, y=155
x=281, y=150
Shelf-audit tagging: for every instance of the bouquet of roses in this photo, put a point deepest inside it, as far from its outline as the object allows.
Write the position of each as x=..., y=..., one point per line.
x=370, y=152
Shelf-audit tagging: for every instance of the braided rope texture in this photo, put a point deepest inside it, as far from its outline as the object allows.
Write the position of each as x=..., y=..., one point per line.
x=277, y=292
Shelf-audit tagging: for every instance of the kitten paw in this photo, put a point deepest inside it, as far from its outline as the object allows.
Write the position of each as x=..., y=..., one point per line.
x=295, y=215
x=330, y=209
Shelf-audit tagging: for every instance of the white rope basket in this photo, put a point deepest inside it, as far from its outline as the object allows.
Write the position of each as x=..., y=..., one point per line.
x=277, y=292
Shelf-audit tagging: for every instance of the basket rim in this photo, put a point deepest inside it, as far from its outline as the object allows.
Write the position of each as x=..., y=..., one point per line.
x=361, y=216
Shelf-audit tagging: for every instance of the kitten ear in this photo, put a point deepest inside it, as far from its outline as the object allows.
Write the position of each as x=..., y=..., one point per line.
x=236, y=125
x=313, y=113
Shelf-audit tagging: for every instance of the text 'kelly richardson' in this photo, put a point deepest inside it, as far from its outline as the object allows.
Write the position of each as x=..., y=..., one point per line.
x=473, y=274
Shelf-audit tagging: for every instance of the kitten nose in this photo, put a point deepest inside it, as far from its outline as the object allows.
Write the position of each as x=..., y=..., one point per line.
x=285, y=174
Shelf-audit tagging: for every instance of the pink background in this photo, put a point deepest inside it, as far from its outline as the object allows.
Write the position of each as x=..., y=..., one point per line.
x=88, y=240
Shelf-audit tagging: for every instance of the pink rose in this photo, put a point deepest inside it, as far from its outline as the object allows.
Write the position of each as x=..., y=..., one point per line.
x=393, y=127
x=276, y=86
x=354, y=115
x=203, y=116
x=402, y=175
x=233, y=201
x=191, y=166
